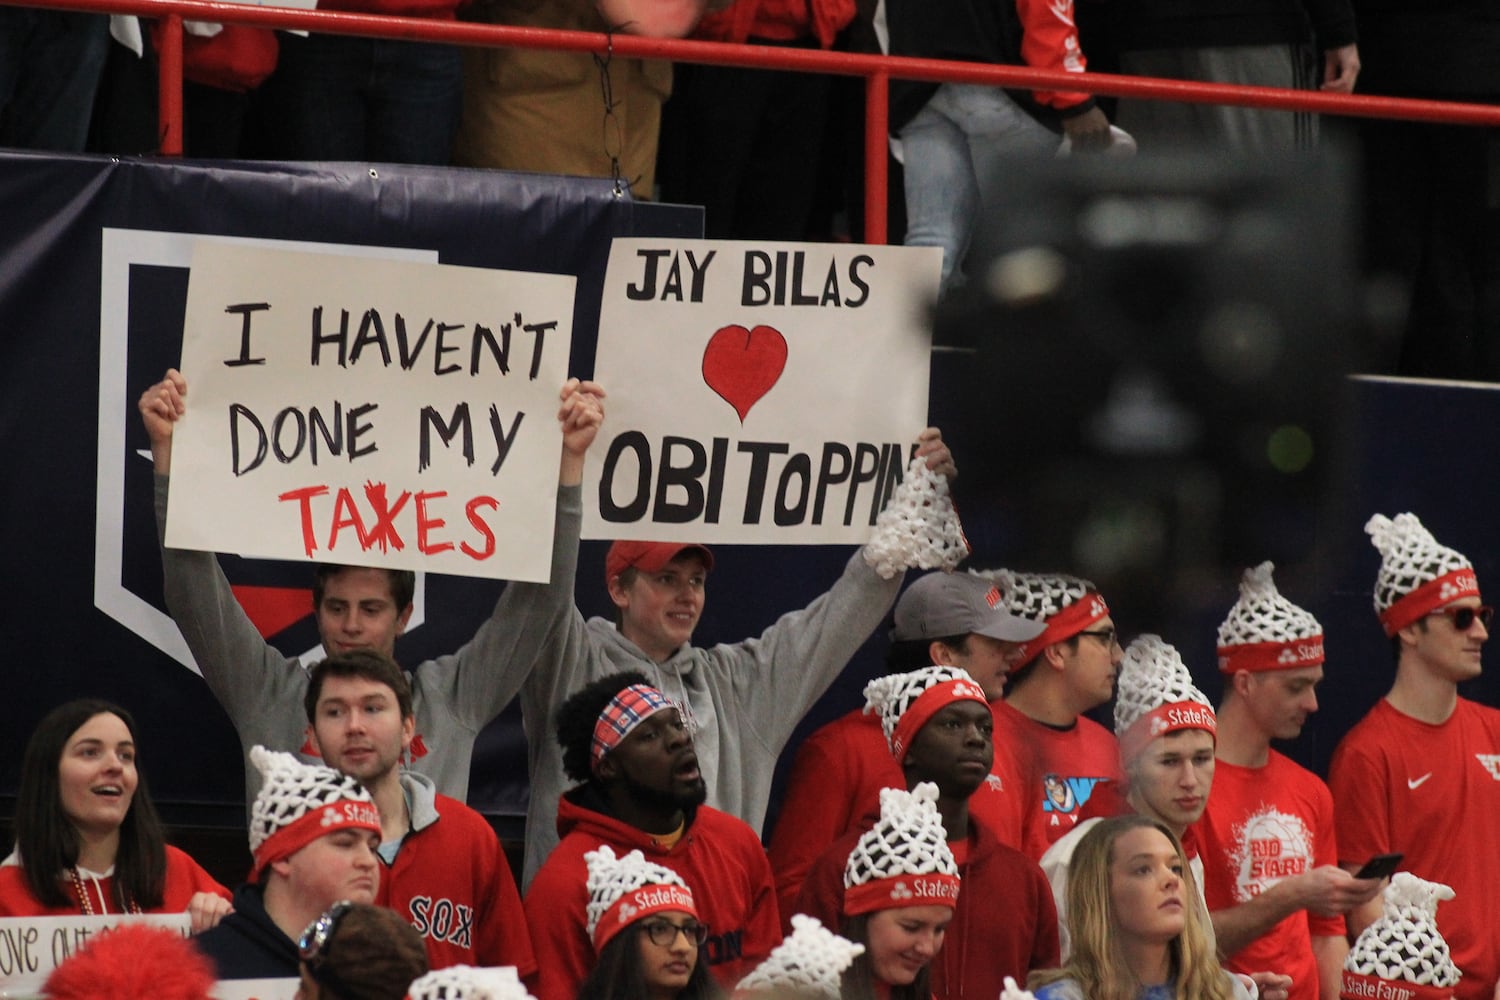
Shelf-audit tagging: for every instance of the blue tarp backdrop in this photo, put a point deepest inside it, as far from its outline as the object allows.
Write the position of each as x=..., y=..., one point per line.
x=92, y=288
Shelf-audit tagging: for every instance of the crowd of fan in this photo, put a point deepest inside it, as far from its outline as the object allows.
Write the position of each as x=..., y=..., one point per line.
x=970, y=829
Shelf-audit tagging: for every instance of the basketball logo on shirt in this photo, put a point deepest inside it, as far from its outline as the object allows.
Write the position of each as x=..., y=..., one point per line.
x=1268, y=847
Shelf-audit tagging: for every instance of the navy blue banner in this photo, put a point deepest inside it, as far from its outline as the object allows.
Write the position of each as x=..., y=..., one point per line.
x=93, y=282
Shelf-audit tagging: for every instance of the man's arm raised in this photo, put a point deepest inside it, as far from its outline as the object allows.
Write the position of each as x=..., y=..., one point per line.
x=161, y=406
x=489, y=670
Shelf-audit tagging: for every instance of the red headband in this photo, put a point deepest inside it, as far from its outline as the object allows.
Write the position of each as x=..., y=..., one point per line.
x=928, y=704
x=1433, y=594
x=344, y=814
x=896, y=891
x=1164, y=719
x=1065, y=624
x=639, y=903
x=1292, y=654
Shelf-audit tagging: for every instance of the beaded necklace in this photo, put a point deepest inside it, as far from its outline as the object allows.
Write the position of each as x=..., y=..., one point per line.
x=83, y=895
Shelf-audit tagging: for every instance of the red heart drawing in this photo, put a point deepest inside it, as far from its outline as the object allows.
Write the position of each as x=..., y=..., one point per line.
x=742, y=365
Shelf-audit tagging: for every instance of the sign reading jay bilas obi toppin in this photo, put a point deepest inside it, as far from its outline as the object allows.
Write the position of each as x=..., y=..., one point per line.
x=758, y=392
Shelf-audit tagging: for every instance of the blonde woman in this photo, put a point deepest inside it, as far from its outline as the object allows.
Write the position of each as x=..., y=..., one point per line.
x=1132, y=919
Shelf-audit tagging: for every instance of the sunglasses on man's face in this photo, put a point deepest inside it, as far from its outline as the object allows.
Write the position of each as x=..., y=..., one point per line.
x=1463, y=618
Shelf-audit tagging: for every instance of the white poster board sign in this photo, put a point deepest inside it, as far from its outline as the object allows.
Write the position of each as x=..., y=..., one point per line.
x=31, y=947
x=256, y=989
x=758, y=392
x=371, y=412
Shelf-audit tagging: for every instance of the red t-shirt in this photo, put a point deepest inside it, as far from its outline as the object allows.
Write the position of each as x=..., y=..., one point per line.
x=1264, y=824
x=1059, y=771
x=1432, y=793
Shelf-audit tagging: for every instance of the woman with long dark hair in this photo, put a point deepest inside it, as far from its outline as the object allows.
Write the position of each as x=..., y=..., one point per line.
x=88, y=839
x=645, y=928
x=1136, y=930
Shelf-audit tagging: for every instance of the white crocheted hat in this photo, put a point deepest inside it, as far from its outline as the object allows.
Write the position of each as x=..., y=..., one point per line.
x=1265, y=631
x=906, y=701
x=1417, y=575
x=918, y=528
x=1067, y=604
x=904, y=859
x=624, y=890
x=809, y=963
x=1403, y=947
x=1155, y=695
x=466, y=982
x=298, y=803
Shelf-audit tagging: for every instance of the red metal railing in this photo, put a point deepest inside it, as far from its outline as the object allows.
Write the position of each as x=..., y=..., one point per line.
x=877, y=71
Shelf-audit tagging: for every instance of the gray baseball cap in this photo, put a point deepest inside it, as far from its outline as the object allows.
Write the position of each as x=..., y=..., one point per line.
x=943, y=604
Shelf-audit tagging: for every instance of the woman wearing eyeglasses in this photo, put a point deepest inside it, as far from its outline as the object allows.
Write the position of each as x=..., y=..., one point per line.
x=1130, y=917
x=645, y=929
x=357, y=951
x=88, y=839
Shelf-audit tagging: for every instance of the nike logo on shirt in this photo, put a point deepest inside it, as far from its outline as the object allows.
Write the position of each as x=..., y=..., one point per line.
x=1415, y=783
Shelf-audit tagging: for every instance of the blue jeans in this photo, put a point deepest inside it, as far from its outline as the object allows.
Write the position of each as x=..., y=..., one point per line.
x=363, y=99
x=956, y=150
x=50, y=61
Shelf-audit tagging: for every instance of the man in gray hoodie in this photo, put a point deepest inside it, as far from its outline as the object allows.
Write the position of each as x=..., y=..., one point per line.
x=741, y=700
x=453, y=696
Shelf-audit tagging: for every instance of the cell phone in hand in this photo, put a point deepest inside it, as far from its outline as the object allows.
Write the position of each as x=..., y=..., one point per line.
x=1380, y=866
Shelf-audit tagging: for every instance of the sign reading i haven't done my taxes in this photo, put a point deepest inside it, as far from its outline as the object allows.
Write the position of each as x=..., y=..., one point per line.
x=370, y=411
x=758, y=392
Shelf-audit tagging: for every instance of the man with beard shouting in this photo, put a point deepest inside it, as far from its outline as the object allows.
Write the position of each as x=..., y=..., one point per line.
x=640, y=789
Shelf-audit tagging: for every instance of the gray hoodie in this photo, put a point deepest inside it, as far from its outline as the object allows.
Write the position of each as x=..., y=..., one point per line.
x=746, y=697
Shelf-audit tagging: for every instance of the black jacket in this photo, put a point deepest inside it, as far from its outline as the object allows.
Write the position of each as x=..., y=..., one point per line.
x=247, y=944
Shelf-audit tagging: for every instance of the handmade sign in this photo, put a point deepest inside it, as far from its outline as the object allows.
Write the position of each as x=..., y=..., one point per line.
x=758, y=392
x=31, y=947
x=368, y=411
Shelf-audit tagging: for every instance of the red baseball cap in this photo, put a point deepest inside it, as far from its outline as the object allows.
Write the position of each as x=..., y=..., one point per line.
x=649, y=557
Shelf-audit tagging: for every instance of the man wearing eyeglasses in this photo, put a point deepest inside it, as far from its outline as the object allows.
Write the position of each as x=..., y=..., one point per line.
x=1271, y=878
x=640, y=787
x=1421, y=771
x=1059, y=755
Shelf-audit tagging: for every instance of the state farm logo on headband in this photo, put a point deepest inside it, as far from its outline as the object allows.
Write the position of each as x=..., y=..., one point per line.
x=968, y=689
x=1357, y=986
x=627, y=912
x=1097, y=608
x=1458, y=586
x=663, y=897
x=941, y=889
x=900, y=891
x=1191, y=717
x=350, y=812
x=1301, y=652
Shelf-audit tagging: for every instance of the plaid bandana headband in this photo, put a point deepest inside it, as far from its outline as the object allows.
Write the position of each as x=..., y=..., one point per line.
x=622, y=715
